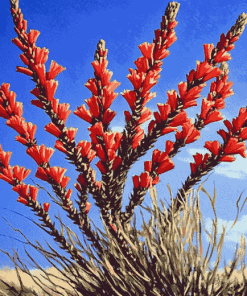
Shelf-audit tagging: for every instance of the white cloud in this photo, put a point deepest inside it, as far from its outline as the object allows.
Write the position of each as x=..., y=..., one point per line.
x=236, y=169
x=117, y=128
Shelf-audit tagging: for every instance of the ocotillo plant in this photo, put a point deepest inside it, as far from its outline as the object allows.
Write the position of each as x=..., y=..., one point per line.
x=117, y=151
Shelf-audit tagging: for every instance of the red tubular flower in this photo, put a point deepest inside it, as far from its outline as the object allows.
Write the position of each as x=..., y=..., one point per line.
x=199, y=161
x=182, y=88
x=5, y=157
x=136, y=181
x=145, y=116
x=222, y=56
x=101, y=167
x=189, y=132
x=24, y=71
x=100, y=152
x=111, y=154
x=208, y=48
x=22, y=200
x=108, y=116
x=215, y=72
x=70, y=133
x=179, y=119
x=96, y=130
x=149, y=82
x=162, y=157
x=24, y=59
x=223, y=134
x=109, y=140
x=33, y=36
x=20, y=173
x=193, y=93
x=22, y=190
x=147, y=49
x=40, y=154
x=142, y=64
x=147, y=97
x=151, y=126
x=213, y=147
x=148, y=166
x=4, y=113
x=18, y=43
x=165, y=166
x=130, y=97
x=81, y=179
x=138, y=137
x=117, y=139
x=165, y=110
x=227, y=158
x=40, y=70
x=243, y=134
x=156, y=180
x=83, y=147
x=161, y=53
x=54, y=70
x=91, y=84
x=206, y=106
x=56, y=173
x=93, y=104
x=51, y=87
x=156, y=154
x=59, y=146
x=136, y=78
x=68, y=194
x=172, y=99
x=202, y=68
x=41, y=174
x=240, y=120
x=234, y=147
x=168, y=130
x=63, y=111
x=88, y=206
x=46, y=206
x=146, y=180
x=189, y=104
x=169, y=146
x=53, y=129
x=157, y=117
x=41, y=55
x=33, y=192
x=214, y=116
x=37, y=103
x=109, y=97
x=117, y=161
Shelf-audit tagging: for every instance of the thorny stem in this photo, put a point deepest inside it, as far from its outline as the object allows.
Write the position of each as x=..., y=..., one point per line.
x=73, y=157
x=125, y=151
x=148, y=141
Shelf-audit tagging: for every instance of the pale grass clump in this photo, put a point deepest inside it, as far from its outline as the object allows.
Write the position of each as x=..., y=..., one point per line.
x=169, y=268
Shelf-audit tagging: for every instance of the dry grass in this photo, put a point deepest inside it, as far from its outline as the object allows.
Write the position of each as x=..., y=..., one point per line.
x=164, y=241
x=10, y=276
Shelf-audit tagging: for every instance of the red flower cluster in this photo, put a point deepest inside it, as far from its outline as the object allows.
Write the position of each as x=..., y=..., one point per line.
x=233, y=142
x=160, y=164
x=117, y=151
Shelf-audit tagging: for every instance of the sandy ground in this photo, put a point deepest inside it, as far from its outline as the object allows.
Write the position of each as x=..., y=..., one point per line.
x=10, y=276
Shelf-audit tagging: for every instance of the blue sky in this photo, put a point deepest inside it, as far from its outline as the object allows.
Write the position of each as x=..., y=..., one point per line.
x=71, y=31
